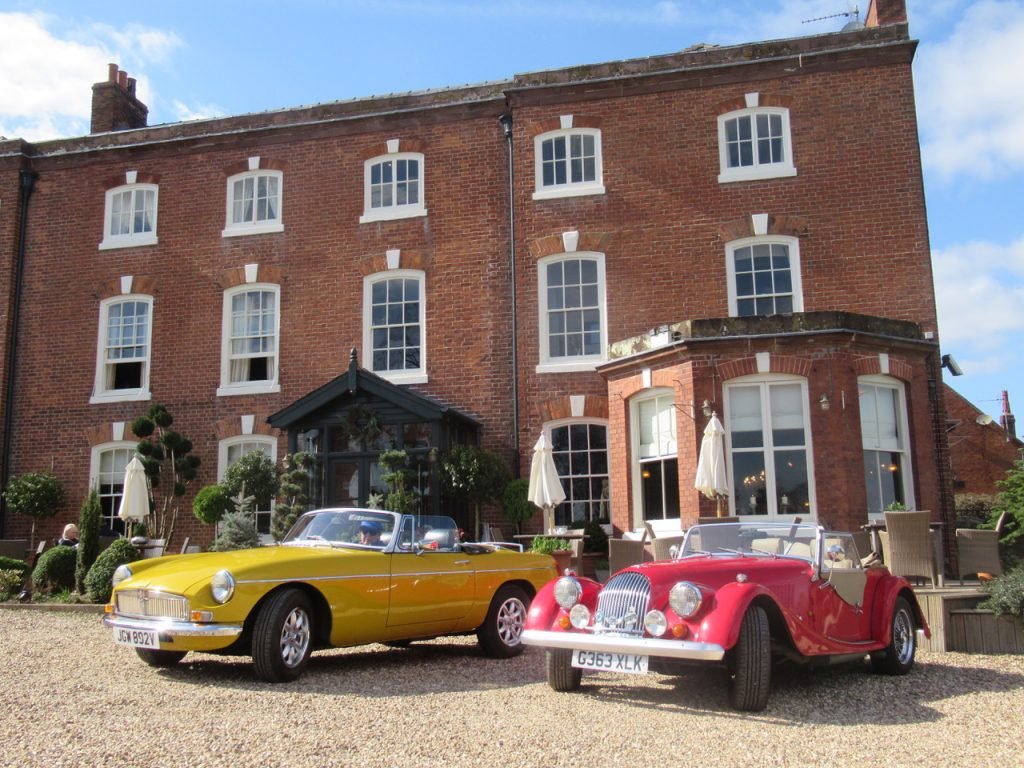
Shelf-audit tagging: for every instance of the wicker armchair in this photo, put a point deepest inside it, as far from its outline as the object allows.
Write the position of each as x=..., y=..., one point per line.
x=663, y=544
x=625, y=552
x=977, y=550
x=907, y=545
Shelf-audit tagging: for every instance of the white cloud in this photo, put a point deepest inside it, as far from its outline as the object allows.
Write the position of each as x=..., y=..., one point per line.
x=979, y=290
x=969, y=94
x=46, y=77
x=183, y=112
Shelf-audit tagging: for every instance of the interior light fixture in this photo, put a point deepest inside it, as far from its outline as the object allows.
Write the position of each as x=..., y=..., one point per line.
x=824, y=402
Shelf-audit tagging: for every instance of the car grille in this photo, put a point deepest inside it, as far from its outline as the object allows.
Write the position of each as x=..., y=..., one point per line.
x=146, y=603
x=622, y=604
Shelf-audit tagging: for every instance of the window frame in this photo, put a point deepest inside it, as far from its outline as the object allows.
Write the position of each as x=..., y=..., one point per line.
x=131, y=239
x=670, y=453
x=792, y=243
x=547, y=363
x=255, y=227
x=223, y=449
x=567, y=480
x=768, y=449
x=263, y=386
x=95, y=465
x=758, y=170
x=101, y=393
x=405, y=375
x=896, y=386
x=395, y=210
x=569, y=188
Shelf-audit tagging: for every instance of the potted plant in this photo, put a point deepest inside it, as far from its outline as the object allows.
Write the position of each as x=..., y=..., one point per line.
x=559, y=549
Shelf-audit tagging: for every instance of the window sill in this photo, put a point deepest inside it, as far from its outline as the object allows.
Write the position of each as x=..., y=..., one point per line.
x=111, y=243
x=260, y=229
x=756, y=174
x=390, y=214
x=127, y=396
x=579, y=190
x=570, y=367
x=403, y=377
x=260, y=388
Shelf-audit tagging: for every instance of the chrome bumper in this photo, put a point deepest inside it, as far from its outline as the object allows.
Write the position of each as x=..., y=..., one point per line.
x=174, y=629
x=644, y=646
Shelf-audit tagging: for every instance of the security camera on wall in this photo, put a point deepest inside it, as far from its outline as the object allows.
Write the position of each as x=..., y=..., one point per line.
x=950, y=363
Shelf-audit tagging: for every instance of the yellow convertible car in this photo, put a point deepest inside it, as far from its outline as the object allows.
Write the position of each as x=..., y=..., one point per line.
x=341, y=577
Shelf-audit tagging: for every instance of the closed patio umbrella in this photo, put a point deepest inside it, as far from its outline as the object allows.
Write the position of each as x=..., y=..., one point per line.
x=712, y=479
x=545, y=486
x=135, y=495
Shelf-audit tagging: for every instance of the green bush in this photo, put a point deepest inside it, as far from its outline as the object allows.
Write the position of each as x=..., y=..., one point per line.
x=596, y=539
x=98, y=581
x=545, y=545
x=88, y=538
x=212, y=503
x=515, y=504
x=55, y=570
x=1005, y=594
x=10, y=582
x=237, y=531
x=14, y=564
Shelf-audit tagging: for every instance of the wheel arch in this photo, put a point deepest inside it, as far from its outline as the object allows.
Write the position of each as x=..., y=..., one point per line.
x=321, y=611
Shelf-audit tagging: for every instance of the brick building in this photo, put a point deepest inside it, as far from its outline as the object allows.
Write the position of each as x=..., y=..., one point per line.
x=981, y=450
x=601, y=253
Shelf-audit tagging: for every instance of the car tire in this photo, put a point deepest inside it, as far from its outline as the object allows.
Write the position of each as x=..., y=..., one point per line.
x=562, y=675
x=282, y=636
x=751, y=668
x=500, y=636
x=161, y=659
x=898, y=656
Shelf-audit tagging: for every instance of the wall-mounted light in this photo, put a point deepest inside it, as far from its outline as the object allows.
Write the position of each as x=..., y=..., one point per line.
x=950, y=364
x=706, y=409
x=824, y=403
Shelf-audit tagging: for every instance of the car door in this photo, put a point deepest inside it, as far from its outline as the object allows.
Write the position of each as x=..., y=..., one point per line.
x=839, y=594
x=429, y=587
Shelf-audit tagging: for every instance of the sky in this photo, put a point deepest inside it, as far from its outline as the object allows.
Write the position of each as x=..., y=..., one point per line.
x=226, y=57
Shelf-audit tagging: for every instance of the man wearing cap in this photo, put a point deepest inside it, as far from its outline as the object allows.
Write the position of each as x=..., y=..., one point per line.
x=369, y=533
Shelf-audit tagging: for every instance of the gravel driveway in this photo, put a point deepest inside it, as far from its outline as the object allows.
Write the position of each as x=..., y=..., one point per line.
x=73, y=698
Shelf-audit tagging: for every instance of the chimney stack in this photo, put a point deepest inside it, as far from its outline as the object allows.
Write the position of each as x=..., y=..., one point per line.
x=114, y=106
x=882, y=12
x=1007, y=420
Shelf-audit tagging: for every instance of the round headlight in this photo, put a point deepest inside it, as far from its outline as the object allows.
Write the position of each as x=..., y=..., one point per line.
x=567, y=592
x=579, y=616
x=222, y=586
x=655, y=623
x=685, y=599
x=121, y=573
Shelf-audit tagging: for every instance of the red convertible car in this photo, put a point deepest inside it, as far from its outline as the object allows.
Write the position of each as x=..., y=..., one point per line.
x=736, y=594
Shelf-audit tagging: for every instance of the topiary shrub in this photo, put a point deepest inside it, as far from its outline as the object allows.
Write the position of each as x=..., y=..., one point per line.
x=55, y=570
x=98, y=581
x=515, y=503
x=212, y=503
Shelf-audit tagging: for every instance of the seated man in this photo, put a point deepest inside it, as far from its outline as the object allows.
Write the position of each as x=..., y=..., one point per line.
x=369, y=533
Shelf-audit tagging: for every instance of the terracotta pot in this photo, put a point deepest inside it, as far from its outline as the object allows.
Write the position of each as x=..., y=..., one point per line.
x=562, y=558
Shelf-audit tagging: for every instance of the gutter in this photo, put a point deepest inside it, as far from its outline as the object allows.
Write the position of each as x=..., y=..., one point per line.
x=28, y=180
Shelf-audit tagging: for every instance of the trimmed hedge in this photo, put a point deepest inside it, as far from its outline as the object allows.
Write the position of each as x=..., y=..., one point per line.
x=55, y=570
x=98, y=581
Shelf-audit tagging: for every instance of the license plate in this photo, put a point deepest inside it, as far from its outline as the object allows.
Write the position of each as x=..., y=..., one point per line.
x=610, y=662
x=136, y=638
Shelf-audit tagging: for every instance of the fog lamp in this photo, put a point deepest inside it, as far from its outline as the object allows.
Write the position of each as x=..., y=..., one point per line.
x=655, y=623
x=579, y=616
